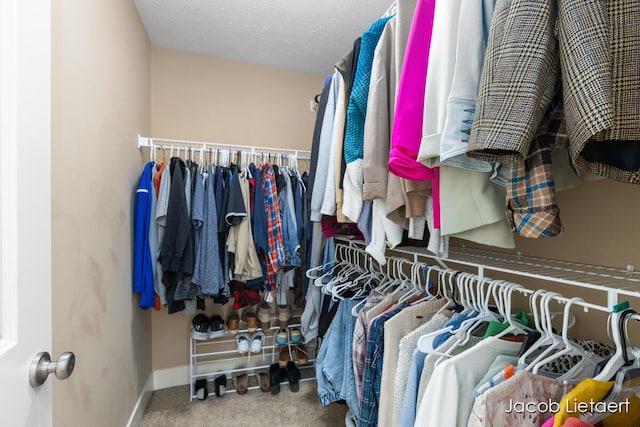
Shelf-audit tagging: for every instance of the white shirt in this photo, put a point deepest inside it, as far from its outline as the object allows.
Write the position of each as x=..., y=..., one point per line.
x=449, y=397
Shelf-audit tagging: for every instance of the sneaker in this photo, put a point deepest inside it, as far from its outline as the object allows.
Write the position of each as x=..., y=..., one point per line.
x=216, y=327
x=220, y=385
x=284, y=314
x=200, y=329
x=282, y=337
x=201, y=389
x=296, y=336
x=242, y=339
x=233, y=322
x=251, y=320
x=256, y=342
x=264, y=315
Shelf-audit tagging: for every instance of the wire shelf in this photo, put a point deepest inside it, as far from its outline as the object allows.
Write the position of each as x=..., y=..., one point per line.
x=614, y=281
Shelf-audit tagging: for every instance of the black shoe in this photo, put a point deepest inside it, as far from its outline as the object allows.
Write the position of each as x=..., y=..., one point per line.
x=275, y=377
x=216, y=327
x=200, y=329
x=201, y=389
x=221, y=385
x=293, y=374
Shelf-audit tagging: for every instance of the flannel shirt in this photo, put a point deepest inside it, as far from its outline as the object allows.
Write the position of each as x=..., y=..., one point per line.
x=372, y=378
x=275, y=256
x=532, y=209
x=360, y=340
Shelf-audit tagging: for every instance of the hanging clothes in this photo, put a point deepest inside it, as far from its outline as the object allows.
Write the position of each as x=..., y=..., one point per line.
x=143, y=274
x=240, y=239
x=208, y=271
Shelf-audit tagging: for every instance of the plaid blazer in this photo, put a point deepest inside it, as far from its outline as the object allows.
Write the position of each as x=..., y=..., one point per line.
x=520, y=71
x=603, y=106
x=594, y=45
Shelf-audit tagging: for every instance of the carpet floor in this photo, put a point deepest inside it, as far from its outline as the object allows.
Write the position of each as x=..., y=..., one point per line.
x=171, y=407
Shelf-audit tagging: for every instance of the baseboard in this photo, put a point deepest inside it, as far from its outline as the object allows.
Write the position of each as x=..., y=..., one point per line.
x=170, y=377
x=143, y=400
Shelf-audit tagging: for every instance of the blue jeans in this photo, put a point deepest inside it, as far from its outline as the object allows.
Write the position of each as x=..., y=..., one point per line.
x=334, y=364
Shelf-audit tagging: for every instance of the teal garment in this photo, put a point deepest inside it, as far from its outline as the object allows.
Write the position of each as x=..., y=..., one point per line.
x=496, y=328
x=357, y=107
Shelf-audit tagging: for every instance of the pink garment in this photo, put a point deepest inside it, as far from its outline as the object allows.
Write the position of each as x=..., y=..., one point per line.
x=576, y=422
x=407, y=125
x=406, y=134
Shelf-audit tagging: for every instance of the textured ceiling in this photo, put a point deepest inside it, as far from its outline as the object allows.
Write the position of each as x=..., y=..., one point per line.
x=302, y=35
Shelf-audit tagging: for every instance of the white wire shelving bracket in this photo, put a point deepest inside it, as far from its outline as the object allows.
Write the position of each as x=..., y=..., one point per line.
x=615, y=282
x=144, y=141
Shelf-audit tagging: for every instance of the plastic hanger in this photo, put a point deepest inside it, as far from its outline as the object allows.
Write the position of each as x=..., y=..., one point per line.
x=466, y=301
x=415, y=289
x=465, y=330
x=425, y=342
x=549, y=340
x=348, y=284
x=404, y=285
x=533, y=304
x=514, y=327
x=622, y=356
x=627, y=379
x=570, y=348
x=152, y=152
x=310, y=273
x=484, y=313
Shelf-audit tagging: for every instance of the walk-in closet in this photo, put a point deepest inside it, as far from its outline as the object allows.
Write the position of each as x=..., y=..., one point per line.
x=394, y=213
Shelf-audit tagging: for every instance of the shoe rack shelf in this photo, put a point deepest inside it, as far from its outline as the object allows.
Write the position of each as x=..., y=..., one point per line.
x=219, y=356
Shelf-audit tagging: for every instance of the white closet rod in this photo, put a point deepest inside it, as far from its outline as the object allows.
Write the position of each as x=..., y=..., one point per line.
x=167, y=143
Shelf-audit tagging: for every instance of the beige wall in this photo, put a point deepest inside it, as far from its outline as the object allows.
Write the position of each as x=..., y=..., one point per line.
x=204, y=98
x=600, y=222
x=601, y=227
x=101, y=93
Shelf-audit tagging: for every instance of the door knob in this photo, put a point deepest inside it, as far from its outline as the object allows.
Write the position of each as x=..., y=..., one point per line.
x=42, y=366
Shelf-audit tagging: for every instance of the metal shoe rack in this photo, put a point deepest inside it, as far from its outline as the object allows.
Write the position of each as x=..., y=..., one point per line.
x=219, y=356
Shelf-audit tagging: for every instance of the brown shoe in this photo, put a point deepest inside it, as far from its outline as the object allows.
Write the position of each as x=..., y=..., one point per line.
x=264, y=315
x=233, y=322
x=263, y=380
x=283, y=359
x=284, y=314
x=301, y=354
x=250, y=319
x=241, y=381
